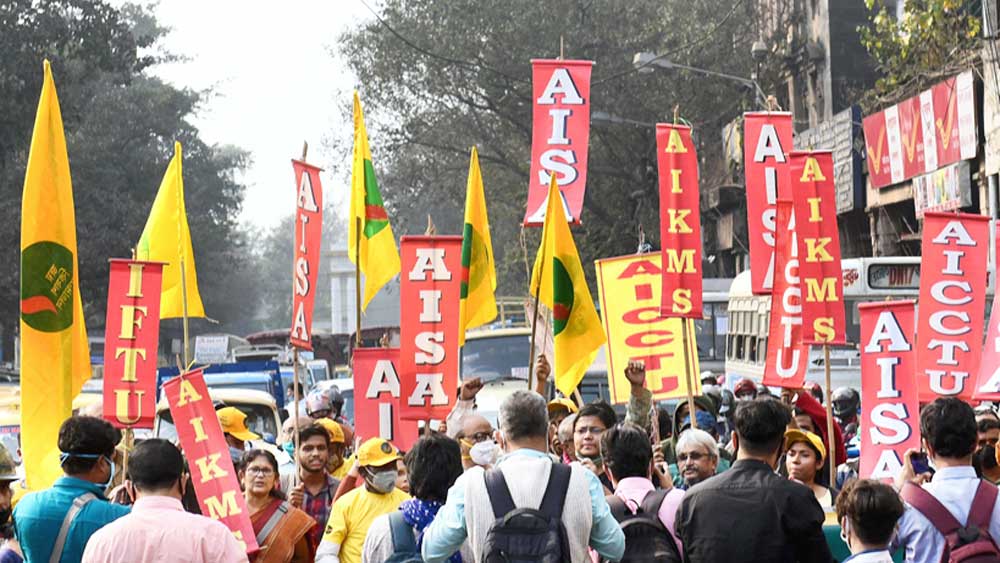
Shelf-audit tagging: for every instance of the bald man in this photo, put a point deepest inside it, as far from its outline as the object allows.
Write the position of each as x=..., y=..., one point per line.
x=476, y=430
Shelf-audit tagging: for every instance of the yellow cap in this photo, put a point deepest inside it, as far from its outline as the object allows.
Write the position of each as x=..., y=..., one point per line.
x=377, y=451
x=562, y=403
x=333, y=429
x=814, y=441
x=233, y=422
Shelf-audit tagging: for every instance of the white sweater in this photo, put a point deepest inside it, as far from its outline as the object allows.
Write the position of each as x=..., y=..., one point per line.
x=526, y=478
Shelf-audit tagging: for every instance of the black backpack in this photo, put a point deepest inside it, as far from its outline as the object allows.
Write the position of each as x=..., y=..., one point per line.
x=646, y=539
x=525, y=534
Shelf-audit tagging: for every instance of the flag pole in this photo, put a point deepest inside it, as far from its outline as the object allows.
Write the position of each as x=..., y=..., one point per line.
x=532, y=376
x=357, y=281
x=184, y=301
x=830, y=443
x=295, y=376
x=687, y=372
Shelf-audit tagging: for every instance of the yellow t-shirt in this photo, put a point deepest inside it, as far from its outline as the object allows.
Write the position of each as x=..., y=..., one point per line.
x=341, y=471
x=352, y=515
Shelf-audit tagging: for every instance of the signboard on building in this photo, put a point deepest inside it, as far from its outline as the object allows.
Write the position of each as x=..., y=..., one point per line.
x=991, y=110
x=843, y=136
x=946, y=189
x=922, y=133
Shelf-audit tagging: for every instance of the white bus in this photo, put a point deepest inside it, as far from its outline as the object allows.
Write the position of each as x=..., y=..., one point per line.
x=865, y=279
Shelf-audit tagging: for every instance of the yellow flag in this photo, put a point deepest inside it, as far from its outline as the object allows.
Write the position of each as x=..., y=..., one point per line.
x=374, y=251
x=167, y=238
x=55, y=355
x=478, y=304
x=559, y=283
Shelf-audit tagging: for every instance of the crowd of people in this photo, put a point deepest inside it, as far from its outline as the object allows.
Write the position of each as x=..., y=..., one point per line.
x=740, y=479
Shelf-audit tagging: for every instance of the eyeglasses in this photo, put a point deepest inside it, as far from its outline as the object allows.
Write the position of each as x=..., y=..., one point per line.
x=693, y=456
x=262, y=471
x=480, y=437
x=596, y=430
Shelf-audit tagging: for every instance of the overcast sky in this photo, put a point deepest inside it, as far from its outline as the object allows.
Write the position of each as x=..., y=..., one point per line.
x=275, y=84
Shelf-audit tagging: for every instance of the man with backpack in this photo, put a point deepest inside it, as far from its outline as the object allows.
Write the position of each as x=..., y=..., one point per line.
x=526, y=508
x=646, y=515
x=952, y=516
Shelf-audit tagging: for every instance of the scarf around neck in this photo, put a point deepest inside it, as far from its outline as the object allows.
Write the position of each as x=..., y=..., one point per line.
x=419, y=514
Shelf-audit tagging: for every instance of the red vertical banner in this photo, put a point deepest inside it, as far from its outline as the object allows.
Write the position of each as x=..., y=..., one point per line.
x=680, y=222
x=376, y=398
x=815, y=207
x=308, y=232
x=911, y=137
x=767, y=138
x=131, y=336
x=205, y=448
x=560, y=134
x=988, y=377
x=955, y=254
x=890, y=415
x=787, y=356
x=429, y=289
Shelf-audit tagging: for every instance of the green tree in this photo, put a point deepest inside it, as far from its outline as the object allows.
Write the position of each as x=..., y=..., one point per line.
x=439, y=76
x=120, y=125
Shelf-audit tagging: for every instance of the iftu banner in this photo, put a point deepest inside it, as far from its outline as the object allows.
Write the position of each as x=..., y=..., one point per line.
x=955, y=254
x=376, y=398
x=787, y=356
x=767, y=138
x=822, y=284
x=308, y=232
x=212, y=473
x=629, y=289
x=560, y=133
x=988, y=378
x=131, y=336
x=680, y=222
x=890, y=415
x=429, y=290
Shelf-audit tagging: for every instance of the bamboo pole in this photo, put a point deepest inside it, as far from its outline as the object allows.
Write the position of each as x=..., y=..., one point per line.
x=295, y=423
x=357, y=281
x=687, y=372
x=830, y=443
x=534, y=323
x=184, y=306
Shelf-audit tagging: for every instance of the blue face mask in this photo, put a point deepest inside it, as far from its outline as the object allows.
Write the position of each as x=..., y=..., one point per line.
x=289, y=449
x=64, y=456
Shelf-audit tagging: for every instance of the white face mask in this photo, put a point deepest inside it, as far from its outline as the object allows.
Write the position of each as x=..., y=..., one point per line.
x=484, y=453
x=383, y=481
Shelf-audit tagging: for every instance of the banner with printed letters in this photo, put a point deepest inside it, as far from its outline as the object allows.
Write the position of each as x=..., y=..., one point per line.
x=768, y=138
x=787, y=356
x=308, y=235
x=377, y=398
x=680, y=222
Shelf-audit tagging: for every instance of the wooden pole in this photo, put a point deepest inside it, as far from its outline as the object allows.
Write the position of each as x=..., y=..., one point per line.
x=534, y=322
x=129, y=436
x=357, y=281
x=687, y=372
x=831, y=452
x=184, y=305
x=295, y=423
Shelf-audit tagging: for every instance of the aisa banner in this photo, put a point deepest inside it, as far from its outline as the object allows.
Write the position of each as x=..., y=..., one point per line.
x=377, y=398
x=132, y=330
x=629, y=289
x=680, y=221
x=308, y=232
x=955, y=253
x=890, y=415
x=787, y=356
x=204, y=445
x=560, y=132
x=988, y=379
x=767, y=140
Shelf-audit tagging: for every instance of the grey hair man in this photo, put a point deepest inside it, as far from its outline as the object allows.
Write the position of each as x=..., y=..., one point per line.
x=697, y=456
x=565, y=436
x=525, y=468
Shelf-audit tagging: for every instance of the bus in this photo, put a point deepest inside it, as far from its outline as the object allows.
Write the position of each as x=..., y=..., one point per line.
x=865, y=279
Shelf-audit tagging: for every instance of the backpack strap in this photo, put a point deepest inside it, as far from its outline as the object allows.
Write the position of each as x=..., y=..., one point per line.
x=555, y=491
x=931, y=508
x=71, y=514
x=272, y=522
x=651, y=504
x=402, y=534
x=499, y=493
x=618, y=508
x=982, y=506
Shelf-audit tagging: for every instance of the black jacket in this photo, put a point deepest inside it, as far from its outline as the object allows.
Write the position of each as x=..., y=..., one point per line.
x=750, y=514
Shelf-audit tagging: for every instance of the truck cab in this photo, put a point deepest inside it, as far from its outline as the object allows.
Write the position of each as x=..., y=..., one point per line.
x=259, y=406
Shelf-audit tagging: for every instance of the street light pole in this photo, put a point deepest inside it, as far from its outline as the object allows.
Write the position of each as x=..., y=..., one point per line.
x=644, y=62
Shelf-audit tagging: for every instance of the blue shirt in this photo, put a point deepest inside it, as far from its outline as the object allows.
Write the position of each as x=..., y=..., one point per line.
x=39, y=516
x=445, y=535
x=954, y=487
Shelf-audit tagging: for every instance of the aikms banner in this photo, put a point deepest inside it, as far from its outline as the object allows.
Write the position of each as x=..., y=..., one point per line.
x=131, y=337
x=924, y=133
x=680, y=222
x=308, y=234
x=205, y=448
x=953, y=268
x=822, y=284
x=560, y=133
x=890, y=411
x=629, y=290
x=787, y=356
x=429, y=290
x=988, y=378
x=376, y=398
x=767, y=138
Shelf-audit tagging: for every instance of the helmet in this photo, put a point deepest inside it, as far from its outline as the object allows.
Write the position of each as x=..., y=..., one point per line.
x=317, y=402
x=728, y=402
x=744, y=386
x=335, y=400
x=845, y=402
